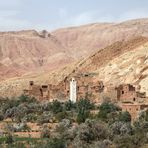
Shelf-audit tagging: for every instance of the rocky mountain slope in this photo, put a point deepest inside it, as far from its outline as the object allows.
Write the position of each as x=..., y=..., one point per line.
x=121, y=62
x=85, y=40
x=29, y=52
x=108, y=50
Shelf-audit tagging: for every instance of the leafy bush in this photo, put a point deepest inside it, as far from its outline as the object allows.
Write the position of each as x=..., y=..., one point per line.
x=61, y=115
x=82, y=116
x=1, y=117
x=44, y=119
x=28, y=99
x=121, y=128
x=56, y=107
x=130, y=141
x=9, y=139
x=69, y=105
x=56, y=143
x=32, y=117
x=105, y=109
x=84, y=104
x=124, y=116
x=83, y=108
x=143, y=116
x=85, y=133
x=45, y=133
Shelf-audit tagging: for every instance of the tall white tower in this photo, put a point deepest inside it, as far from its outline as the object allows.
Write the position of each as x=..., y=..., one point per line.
x=73, y=90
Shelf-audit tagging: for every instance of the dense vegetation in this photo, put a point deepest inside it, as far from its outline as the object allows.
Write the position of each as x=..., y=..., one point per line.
x=78, y=125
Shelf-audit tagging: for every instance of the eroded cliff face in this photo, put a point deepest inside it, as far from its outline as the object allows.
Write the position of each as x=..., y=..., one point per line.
x=107, y=49
x=29, y=52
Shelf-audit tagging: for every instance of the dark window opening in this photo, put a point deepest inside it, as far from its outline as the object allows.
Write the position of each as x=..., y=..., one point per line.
x=44, y=86
x=41, y=92
x=31, y=83
x=78, y=88
x=86, y=75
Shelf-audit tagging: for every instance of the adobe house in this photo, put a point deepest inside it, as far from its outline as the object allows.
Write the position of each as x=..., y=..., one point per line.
x=40, y=92
x=134, y=109
x=110, y=92
x=125, y=93
x=128, y=93
x=56, y=92
x=75, y=88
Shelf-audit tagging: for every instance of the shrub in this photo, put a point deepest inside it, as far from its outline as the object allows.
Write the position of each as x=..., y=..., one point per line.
x=69, y=105
x=92, y=130
x=16, y=113
x=45, y=133
x=82, y=116
x=61, y=115
x=121, y=128
x=129, y=141
x=143, y=115
x=56, y=143
x=105, y=109
x=9, y=139
x=125, y=117
x=98, y=129
x=108, y=107
x=84, y=104
x=141, y=126
x=32, y=117
x=9, y=104
x=85, y=133
x=28, y=99
x=1, y=117
x=43, y=119
x=56, y=107
x=83, y=109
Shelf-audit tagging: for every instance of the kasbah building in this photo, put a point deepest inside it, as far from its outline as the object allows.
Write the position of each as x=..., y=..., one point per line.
x=78, y=86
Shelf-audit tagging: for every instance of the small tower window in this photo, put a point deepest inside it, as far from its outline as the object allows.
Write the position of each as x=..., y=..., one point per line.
x=31, y=83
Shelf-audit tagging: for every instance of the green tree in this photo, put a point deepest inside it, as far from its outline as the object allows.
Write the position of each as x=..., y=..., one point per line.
x=56, y=143
x=84, y=104
x=82, y=116
x=56, y=107
x=24, y=98
x=69, y=105
x=83, y=110
x=61, y=115
x=124, y=116
x=105, y=109
x=9, y=139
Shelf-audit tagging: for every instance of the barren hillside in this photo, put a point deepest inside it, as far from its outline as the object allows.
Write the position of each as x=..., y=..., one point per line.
x=106, y=49
x=121, y=62
x=85, y=40
x=28, y=52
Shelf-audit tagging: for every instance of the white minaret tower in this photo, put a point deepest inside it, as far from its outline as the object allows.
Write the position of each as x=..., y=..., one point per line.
x=73, y=90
